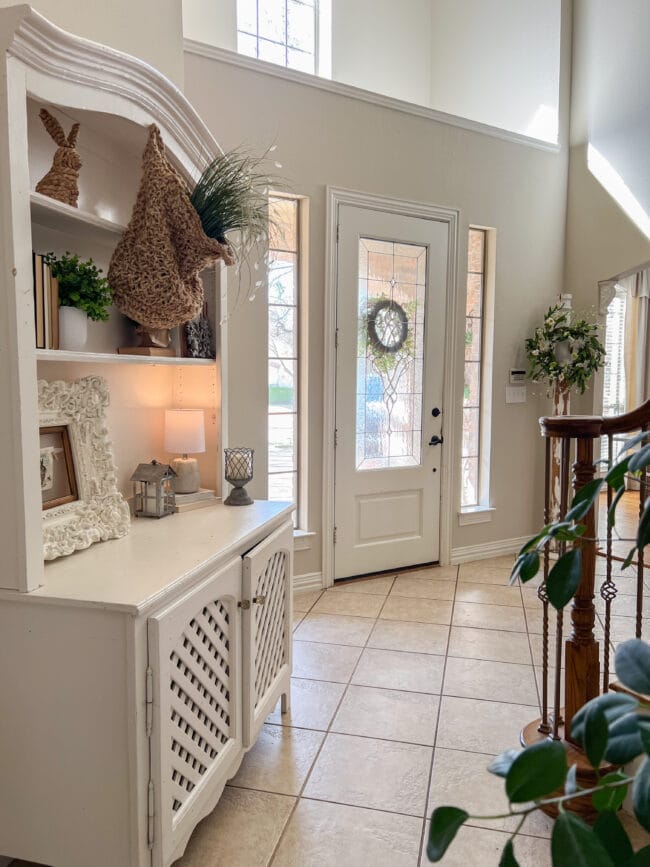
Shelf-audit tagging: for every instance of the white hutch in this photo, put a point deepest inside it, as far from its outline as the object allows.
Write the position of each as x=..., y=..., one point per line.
x=133, y=674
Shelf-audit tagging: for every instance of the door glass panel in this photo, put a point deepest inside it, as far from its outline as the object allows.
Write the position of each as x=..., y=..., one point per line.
x=390, y=354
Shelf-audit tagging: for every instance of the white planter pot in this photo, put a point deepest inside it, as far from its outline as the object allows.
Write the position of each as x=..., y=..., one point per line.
x=73, y=328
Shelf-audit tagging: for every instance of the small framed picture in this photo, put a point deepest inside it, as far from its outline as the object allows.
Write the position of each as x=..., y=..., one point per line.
x=58, y=479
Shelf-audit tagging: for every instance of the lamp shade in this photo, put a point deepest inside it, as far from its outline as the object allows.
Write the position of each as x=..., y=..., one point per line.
x=184, y=431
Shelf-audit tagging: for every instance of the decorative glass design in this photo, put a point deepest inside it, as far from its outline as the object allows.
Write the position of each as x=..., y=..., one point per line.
x=390, y=356
x=471, y=438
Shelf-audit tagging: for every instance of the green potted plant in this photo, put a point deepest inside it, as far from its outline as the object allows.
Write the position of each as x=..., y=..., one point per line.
x=564, y=353
x=83, y=294
x=232, y=200
x=614, y=726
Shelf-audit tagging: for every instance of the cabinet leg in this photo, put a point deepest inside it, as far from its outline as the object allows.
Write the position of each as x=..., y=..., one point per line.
x=285, y=702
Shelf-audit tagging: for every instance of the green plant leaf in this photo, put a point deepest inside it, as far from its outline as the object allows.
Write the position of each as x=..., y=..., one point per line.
x=629, y=444
x=641, y=795
x=615, y=478
x=641, y=858
x=508, y=856
x=564, y=578
x=639, y=459
x=584, y=500
x=632, y=663
x=624, y=742
x=614, y=838
x=613, y=704
x=445, y=822
x=526, y=567
x=537, y=771
x=500, y=765
x=611, y=514
x=629, y=558
x=571, y=782
x=643, y=530
x=533, y=542
x=595, y=735
x=609, y=799
x=575, y=844
x=644, y=732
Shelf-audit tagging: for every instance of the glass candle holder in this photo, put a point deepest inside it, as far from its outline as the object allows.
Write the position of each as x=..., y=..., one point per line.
x=238, y=472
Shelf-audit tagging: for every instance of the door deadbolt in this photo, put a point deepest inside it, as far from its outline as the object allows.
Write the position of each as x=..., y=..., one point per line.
x=435, y=412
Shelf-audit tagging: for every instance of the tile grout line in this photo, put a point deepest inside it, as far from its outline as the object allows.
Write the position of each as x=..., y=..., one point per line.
x=437, y=723
x=299, y=797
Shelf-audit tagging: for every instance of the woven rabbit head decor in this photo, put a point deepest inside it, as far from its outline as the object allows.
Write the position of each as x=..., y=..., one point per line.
x=61, y=181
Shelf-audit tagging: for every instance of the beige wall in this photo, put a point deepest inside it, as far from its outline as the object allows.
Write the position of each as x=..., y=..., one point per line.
x=327, y=139
x=149, y=29
x=498, y=62
x=609, y=93
x=435, y=53
x=379, y=50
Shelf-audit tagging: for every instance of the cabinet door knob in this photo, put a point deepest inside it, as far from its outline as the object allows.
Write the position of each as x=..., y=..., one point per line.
x=259, y=600
x=245, y=604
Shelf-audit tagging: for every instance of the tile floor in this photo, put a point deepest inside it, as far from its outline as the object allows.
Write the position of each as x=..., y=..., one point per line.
x=404, y=687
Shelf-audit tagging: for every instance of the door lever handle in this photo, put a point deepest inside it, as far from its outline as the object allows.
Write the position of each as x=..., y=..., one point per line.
x=435, y=440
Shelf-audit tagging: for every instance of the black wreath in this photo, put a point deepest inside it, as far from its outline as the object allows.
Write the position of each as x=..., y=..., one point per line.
x=397, y=336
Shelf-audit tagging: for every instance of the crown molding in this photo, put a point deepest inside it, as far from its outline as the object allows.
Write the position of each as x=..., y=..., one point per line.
x=72, y=70
x=213, y=52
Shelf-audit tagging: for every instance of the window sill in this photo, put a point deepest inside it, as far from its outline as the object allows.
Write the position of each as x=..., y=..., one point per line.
x=302, y=539
x=476, y=515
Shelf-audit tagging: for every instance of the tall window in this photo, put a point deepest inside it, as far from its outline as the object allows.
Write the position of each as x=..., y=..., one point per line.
x=284, y=277
x=614, y=371
x=477, y=387
x=280, y=31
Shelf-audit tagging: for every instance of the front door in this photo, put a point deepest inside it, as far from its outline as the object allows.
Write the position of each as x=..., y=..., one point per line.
x=391, y=283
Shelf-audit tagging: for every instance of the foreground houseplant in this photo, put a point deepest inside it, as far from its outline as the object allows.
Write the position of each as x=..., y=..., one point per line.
x=83, y=294
x=614, y=726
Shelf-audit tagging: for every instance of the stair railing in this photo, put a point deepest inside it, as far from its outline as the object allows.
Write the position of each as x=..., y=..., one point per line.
x=579, y=653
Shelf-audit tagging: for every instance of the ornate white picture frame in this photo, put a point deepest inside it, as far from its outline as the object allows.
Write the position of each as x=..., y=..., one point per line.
x=100, y=512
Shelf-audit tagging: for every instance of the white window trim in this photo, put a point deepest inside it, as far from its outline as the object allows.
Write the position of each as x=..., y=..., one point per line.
x=475, y=515
x=302, y=539
x=301, y=530
x=483, y=511
x=322, y=40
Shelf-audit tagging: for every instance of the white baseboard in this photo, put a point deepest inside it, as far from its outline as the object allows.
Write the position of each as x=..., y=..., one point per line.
x=488, y=549
x=309, y=581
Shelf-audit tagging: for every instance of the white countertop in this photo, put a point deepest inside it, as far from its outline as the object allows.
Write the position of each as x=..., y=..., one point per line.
x=156, y=558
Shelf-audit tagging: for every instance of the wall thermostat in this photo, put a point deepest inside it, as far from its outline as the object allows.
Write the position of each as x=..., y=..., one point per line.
x=517, y=376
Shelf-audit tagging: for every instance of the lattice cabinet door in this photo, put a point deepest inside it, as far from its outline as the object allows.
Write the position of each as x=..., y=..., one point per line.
x=196, y=733
x=268, y=570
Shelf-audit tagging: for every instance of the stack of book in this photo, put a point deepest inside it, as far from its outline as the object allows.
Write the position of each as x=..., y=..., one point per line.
x=202, y=497
x=46, y=304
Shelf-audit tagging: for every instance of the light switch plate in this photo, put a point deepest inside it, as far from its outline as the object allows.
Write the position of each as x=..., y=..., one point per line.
x=515, y=394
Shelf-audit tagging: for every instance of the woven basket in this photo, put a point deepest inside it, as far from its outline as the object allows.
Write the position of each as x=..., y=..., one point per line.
x=154, y=271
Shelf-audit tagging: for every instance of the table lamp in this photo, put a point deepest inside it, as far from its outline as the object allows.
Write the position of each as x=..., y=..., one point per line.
x=185, y=434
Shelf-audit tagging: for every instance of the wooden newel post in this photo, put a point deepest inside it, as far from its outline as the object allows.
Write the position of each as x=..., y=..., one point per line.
x=582, y=675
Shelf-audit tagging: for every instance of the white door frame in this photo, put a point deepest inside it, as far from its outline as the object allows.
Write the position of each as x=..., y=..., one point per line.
x=337, y=196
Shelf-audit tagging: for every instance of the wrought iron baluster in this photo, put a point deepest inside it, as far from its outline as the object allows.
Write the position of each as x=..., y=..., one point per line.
x=544, y=726
x=608, y=589
x=565, y=478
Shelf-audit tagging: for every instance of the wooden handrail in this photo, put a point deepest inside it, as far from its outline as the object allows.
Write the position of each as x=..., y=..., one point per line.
x=628, y=421
x=594, y=426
